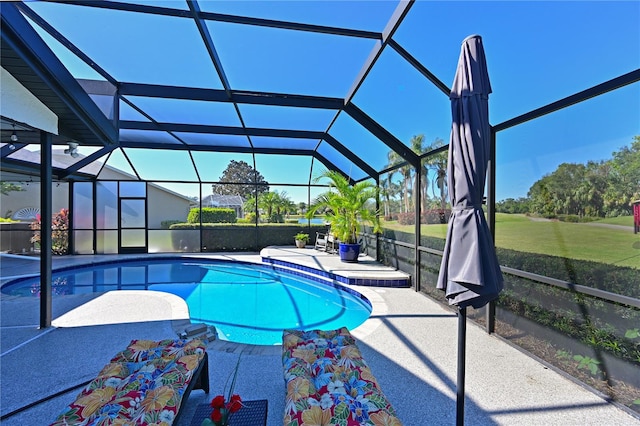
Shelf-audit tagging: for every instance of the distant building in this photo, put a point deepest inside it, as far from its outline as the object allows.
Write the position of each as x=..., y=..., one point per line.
x=24, y=205
x=234, y=202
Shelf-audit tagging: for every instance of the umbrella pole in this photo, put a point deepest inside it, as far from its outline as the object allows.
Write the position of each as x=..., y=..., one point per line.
x=462, y=338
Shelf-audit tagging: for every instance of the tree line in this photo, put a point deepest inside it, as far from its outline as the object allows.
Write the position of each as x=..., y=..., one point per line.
x=240, y=178
x=604, y=188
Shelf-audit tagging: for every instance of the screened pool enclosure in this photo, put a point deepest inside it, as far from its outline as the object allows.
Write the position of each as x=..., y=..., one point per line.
x=128, y=126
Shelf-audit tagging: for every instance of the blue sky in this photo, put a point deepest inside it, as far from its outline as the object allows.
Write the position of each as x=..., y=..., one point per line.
x=537, y=53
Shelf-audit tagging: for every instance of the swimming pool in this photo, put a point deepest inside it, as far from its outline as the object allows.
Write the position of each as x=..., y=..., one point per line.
x=247, y=303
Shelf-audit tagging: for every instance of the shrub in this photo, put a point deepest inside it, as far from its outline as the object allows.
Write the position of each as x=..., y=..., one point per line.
x=573, y=218
x=615, y=279
x=166, y=224
x=59, y=232
x=433, y=216
x=406, y=218
x=276, y=218
x=212, y=215
x=235, y=237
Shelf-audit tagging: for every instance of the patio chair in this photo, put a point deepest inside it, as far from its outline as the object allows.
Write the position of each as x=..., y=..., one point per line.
x=321, y=241
x=332, y=243
x=326, y=241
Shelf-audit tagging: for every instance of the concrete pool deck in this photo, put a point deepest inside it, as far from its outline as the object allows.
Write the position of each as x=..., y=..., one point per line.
x=409, y=343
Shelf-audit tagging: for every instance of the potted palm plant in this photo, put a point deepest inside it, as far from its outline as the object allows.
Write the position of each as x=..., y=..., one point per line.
x=301, y=239
x=346, y=207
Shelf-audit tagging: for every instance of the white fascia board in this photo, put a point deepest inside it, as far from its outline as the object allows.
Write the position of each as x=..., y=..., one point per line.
x=19, y=104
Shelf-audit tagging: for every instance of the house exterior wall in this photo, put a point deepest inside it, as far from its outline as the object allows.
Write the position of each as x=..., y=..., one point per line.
x=163, y=205
x=30, y=197
x=108, y=173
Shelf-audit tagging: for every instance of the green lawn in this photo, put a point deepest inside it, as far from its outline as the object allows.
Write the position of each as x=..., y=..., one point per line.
x=620, y=220
x=572, y=240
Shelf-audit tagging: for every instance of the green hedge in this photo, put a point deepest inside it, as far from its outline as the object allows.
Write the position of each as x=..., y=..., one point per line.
x=560, y=321
x=615, y=279
x=238, y=236
x=602, y=325
x=574, y=218
x=166, y=224
x=212, y=215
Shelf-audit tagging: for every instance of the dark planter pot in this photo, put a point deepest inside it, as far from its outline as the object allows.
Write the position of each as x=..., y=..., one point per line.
x=349, y=252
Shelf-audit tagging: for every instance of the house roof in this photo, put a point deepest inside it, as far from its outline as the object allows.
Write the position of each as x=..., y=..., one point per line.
x=218, y=200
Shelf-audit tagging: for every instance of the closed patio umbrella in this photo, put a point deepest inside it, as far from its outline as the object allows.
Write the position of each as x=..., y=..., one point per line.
x=469, y=274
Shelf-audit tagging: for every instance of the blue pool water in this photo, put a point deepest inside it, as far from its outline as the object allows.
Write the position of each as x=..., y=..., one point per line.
x=314, y=221
x=247, y=303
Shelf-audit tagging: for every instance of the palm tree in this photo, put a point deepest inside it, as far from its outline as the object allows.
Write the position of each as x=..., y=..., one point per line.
x=282, y=202
x=289, y=206
x=438, y=163
x=394, y=158
x=301, y=207
x=275, y=204
x=385, y=192
x=346, y=206
x=388, y=185
x=267, y=201
x=417, y=147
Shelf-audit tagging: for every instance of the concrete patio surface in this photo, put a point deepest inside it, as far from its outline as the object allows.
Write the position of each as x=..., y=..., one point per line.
x=409, y=342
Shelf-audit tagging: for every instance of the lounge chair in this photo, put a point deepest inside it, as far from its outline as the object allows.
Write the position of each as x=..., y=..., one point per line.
x=147, y=382
x=327, y=378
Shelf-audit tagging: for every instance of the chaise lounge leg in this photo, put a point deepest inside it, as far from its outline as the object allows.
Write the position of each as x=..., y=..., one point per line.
x=202, y=381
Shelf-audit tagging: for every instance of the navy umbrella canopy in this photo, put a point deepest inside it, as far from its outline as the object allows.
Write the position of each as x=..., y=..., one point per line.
x=469, y=274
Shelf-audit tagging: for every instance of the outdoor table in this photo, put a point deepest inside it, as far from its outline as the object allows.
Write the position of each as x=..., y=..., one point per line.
x=253, y=413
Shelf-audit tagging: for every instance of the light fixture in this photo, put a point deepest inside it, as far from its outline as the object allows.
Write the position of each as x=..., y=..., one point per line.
x=72, y=150
x=14, y=137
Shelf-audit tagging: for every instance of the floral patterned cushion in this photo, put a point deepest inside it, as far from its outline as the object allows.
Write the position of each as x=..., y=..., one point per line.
x=142, y=385
x=328, y=382
x=144, y=350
